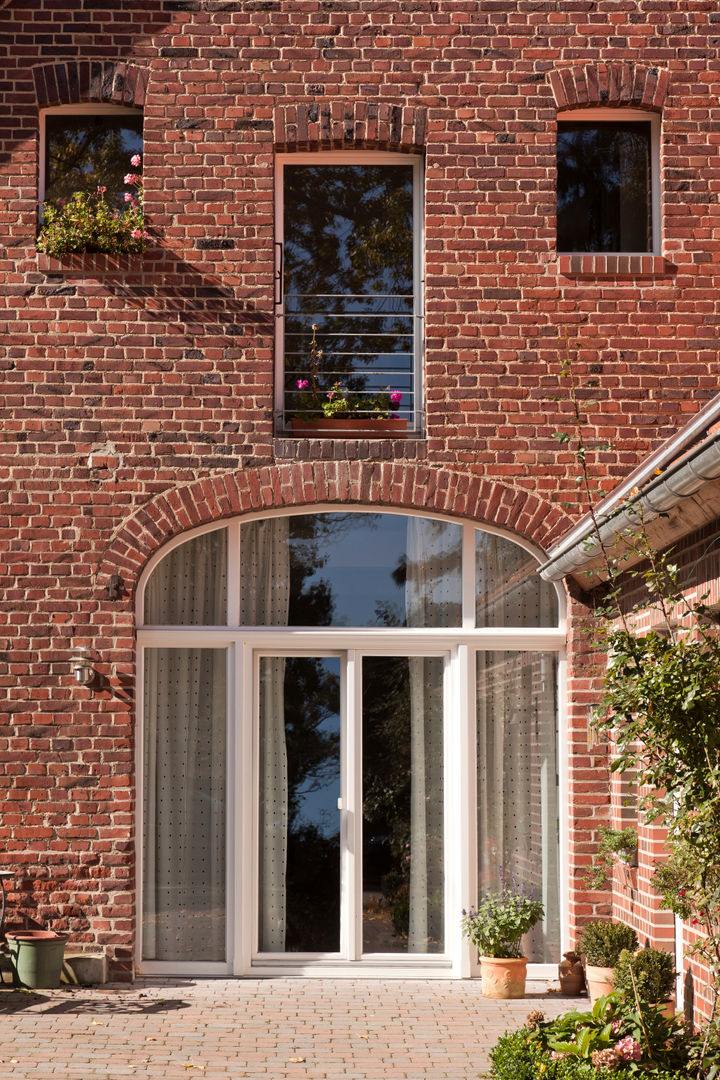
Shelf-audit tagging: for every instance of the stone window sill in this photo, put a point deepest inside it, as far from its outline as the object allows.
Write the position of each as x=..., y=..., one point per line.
x=309, y=449
x=614, y=266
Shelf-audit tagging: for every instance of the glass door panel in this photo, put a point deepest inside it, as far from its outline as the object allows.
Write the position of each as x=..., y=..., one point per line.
x=299, y=819
x=402, y=805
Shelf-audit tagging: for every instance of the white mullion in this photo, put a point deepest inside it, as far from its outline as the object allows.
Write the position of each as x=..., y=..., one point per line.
x=464, y=753
x=563, y=802
x=231, y=818
x=351, y=906
x=372, y=641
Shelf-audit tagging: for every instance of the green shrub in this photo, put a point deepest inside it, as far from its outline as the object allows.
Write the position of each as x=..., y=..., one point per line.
x=654, y=972
x=602, y=942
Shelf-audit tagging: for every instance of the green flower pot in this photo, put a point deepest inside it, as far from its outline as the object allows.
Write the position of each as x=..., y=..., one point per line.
x=36, y=957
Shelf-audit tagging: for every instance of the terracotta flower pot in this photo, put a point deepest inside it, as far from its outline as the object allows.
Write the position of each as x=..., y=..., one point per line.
x=600, y=981
x=503, y=977
x=570, y=974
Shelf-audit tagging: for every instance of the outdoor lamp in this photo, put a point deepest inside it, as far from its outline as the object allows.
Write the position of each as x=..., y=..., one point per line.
x=81, y=665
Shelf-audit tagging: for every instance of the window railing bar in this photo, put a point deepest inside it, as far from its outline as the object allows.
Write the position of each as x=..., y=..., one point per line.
x=356, y=296
x=296, y=333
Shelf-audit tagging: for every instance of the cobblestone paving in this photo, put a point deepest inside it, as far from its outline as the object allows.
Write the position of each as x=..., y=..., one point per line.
x=221, y=1029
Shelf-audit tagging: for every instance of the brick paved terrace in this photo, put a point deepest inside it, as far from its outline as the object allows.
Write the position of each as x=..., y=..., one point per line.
x=307, y=1028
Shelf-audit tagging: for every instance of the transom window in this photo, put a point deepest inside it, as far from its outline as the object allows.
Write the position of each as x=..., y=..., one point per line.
x=349, y=727
x=348, y=288
x=607, y=181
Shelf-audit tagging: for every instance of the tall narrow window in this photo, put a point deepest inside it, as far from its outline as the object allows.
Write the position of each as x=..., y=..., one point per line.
x=605, y=185
x=348, y=290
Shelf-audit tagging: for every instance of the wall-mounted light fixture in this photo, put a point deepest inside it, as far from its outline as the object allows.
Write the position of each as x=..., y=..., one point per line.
x=81, y=665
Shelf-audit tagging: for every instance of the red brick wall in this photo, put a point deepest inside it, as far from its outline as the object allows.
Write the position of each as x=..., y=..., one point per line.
x=138, y=392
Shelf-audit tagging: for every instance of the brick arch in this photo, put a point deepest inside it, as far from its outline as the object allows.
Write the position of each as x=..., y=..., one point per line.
x=380, y=484
x=609, y=85
x=333, y=125
x=69, y=82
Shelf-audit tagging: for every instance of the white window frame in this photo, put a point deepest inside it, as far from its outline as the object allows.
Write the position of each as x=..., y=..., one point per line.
x=356, y=157
x=621, y=115
x=89, y=108
x=245, y=644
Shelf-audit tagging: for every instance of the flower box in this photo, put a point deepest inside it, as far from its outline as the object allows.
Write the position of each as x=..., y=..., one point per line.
x=335, y=428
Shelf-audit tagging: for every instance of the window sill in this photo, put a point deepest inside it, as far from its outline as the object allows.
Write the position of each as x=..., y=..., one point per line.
x=91, y=263
x=287, y=447
x=614, y=266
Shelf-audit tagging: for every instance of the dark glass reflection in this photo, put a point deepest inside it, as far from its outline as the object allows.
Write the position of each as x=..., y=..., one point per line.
x=348, y=269
x=402, y=754
x=374, y=570
x=299, y=833
x=85, y=152
x=604, y=187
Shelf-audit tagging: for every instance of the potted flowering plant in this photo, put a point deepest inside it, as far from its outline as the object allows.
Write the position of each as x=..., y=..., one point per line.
x=496, y=927
x=339, y=410
x=88, y=223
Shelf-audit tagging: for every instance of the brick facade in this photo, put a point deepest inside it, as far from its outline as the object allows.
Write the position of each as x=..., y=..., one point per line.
x=138, y=391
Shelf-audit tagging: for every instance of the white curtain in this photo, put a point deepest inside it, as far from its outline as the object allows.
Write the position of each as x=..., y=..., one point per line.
x=517, y=783
x=185, y=761
x=264, y=601
x=509, y=590
x=431, y=600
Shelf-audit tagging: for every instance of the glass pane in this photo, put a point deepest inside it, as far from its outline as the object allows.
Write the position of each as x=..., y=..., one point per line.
x=189, y=586
x=339, y=569
x=509, y=590
x=402, y=753
x=84, y=152
x=517, y=784
x=299, y=886
x=348, y=271
x=184, y=804
x=603, y=187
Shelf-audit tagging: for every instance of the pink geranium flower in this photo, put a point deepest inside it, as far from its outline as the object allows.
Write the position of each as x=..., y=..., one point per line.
x=137, y=234
x=135, y=160
x=129, y=178
x=302, y=384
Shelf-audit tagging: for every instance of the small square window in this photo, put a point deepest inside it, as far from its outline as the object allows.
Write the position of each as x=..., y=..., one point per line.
x=349, y=293
x=82, y=150
x=606, y=185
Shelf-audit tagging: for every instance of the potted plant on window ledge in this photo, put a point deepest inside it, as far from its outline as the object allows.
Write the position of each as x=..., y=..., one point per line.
x=340, y=411
x=496, y=928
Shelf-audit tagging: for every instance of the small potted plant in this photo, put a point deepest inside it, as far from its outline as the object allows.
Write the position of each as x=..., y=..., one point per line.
x=496, y=928
x=601, y=944
x=649, y=974
x=339, y=410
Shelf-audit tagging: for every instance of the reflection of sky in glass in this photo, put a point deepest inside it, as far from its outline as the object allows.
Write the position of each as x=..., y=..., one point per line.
x=317, y=796
x=357, y=556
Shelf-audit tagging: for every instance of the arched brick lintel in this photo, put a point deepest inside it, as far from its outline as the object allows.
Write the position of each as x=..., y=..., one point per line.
x=610, y=85
x=342, y=124
x=396, y=485
x=68, y=82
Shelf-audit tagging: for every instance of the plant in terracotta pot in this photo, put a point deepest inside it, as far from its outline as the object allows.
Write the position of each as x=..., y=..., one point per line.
x=496, y=928
x=649, y=974
x=601, y=944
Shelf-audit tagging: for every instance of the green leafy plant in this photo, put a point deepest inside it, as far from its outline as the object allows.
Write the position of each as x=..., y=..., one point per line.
x=602, y=942
x=619, y=1035
x=615, y=845
x=650, y=972
x=88, y=223
x=499, y=922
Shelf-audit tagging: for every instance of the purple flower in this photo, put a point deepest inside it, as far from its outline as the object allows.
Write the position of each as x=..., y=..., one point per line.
x=302, y=384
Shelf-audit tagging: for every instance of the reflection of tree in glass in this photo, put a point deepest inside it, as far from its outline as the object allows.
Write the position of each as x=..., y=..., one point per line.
x=85, y=152
x=603, y=187
x=387, y=782
x=312, y=738
x=348, y=253
x=311, y=537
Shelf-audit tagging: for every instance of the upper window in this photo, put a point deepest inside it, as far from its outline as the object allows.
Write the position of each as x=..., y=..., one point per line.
x=349, y=289
x=607, y=182
x=86, y=147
